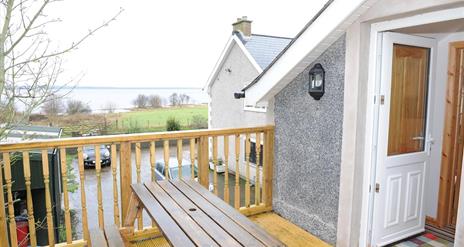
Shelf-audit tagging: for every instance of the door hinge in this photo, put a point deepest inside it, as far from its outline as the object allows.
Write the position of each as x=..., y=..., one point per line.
x=377, y=187
x=382, y=99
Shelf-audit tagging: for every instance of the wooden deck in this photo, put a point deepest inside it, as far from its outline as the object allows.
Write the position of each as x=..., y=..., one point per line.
x=282, y=229
x=285, y=231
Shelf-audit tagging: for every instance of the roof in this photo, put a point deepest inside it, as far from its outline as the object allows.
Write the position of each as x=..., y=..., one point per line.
x=264, y=48
x=329, y=24
x=28, y=132
x=259, y=49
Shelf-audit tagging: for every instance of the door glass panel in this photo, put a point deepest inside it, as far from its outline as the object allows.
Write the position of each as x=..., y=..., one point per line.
x=408, y=105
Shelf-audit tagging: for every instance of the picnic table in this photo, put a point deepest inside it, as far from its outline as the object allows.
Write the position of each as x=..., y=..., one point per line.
x=189, y=215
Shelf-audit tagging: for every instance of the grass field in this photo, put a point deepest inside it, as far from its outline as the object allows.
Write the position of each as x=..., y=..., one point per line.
x=156, y=118
x=137, y=121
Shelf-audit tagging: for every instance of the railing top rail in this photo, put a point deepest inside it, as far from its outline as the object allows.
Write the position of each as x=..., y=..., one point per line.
x=141, y=137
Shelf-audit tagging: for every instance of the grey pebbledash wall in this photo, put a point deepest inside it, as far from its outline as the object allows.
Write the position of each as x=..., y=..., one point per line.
x=308, y=138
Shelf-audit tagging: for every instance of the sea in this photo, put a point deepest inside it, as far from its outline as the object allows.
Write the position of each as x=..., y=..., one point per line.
x=98, y=98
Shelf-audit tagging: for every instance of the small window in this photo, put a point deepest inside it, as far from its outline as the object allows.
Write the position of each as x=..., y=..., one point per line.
x=253, y=152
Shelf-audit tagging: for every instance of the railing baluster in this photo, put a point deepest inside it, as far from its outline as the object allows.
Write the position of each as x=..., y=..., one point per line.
x=114, y=164
x=192, y=158
x=226, y=168
x=268, y=164
x=138, y=163
x=64, y=177
x=11, y=216
x=247, y=171
x=3, y=225
x=179, y=157
x=30, y=205
x=215, y=163
x=153, y=167
x=101, y=221
x=257, y=173
x=166, y=159
x=48, y=202
x=237, y=172
x=85, y=224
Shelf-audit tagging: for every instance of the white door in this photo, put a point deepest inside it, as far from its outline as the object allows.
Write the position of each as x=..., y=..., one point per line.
x=403, y=137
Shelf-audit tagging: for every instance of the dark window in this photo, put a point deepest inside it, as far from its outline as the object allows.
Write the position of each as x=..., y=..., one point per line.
x=253, y=153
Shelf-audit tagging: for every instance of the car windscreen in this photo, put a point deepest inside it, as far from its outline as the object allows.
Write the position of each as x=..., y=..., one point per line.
x=186, y=172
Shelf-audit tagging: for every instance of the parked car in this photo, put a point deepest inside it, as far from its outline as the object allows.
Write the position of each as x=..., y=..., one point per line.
x=173, y=171
x=220, y=168
x=89, y=156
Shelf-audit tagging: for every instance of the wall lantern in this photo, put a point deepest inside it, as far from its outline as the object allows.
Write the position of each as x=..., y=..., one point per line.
x=316, y=81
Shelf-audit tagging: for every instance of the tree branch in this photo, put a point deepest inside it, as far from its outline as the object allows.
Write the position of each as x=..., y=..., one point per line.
x=27, y=29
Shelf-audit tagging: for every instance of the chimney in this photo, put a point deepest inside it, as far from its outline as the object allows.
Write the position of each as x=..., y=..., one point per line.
x=242, y=25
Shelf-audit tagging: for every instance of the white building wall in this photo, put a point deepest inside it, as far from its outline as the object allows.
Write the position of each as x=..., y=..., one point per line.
x=227, y=112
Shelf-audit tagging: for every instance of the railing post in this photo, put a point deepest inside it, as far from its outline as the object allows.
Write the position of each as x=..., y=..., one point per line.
x=3, y=231
x=203, y=161
x=125, y=173
x=268, y=171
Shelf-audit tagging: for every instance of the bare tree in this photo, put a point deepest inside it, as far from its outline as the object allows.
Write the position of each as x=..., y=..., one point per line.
x=30, y=63
x=174, y=99
x=155, y=101
x=110, y=107
x=141, y=101
x=76, y=106
x=184, y=99
x=53, y=106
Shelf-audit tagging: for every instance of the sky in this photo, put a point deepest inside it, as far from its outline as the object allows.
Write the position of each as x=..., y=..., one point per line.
x=173, y=43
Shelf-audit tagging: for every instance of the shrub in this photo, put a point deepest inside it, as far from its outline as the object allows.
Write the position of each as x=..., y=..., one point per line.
x=172, y=124
x=199, y=122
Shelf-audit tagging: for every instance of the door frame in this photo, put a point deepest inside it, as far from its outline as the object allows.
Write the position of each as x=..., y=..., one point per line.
x=443, y=211
x=372, y=110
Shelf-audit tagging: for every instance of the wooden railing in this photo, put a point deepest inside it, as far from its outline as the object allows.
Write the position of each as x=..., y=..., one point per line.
x=199, y=147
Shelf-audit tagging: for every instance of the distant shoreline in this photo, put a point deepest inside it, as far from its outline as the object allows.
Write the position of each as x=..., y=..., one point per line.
x=128, y=88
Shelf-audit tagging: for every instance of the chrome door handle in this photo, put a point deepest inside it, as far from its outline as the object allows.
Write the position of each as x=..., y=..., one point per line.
x=416, y=138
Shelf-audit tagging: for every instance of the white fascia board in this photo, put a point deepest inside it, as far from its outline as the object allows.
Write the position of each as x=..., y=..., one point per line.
x=219, y=63
x=330, y=25
x=233, y=40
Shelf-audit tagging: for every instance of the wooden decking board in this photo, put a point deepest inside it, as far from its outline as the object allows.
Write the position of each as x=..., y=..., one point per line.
x=287, y=232
x=113, y=236
x=201, y=218
x=221, y=219
x=236, y=216
x=175, y=235
x=97, y=238
x=188, y=225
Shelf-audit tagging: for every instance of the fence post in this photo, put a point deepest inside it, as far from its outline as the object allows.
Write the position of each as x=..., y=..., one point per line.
x=125, y=173
x=269, y=167
x=203, y=161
